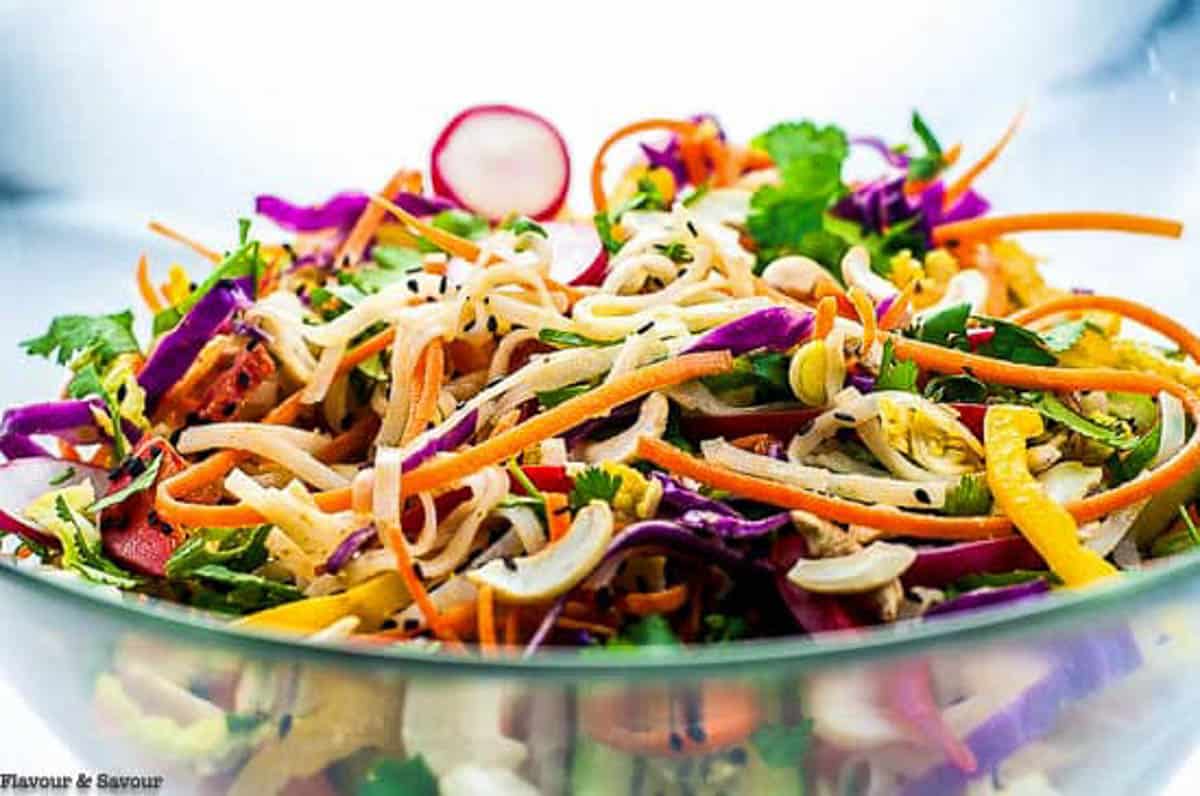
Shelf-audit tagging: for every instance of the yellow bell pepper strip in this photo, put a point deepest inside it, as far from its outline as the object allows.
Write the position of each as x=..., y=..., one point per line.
x=373, y=602
x=1048, y=526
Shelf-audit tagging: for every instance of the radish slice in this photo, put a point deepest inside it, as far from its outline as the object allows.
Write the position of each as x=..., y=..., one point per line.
x=24, y=480
x=497, y=159
x=579, y=258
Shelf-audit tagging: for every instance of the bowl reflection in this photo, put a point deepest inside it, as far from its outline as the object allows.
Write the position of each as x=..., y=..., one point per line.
x=1088, y=701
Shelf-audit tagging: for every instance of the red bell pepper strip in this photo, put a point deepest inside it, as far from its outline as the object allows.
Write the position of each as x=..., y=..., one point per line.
x=131, y=532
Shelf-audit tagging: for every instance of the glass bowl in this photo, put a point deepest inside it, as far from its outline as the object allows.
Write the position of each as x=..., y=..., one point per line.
x=1081, y=693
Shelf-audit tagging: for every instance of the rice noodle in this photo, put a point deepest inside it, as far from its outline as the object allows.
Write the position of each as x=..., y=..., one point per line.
x=281, y=316
x=488, y=486
x=651, y=422
x=295, y=513
x=285, y=446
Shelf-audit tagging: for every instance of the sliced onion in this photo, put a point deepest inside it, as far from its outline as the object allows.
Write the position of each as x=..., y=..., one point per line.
x=557, y=568
x=1069, y=481
x=1173, y=433
x=874, y=566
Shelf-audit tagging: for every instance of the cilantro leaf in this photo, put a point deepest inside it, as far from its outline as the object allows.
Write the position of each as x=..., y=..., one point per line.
x=970, y=497
x=765, y=373
x=1062, y=337
x=1054, y=409
x=81, y=549
x=896, y=374
x=719, y=628
x=397, y=258
x=1015, y=344
x=651, y=631
x=676, y=252
x=947, y=327
x=788, y=142
x=928, y=165
x=781, y=745
x=519, y=225
x=97, y=339
x=552, y=398
x=139, y=484
x=594, y=484
x=995, y=580
x=959, y=387
x=227, y=590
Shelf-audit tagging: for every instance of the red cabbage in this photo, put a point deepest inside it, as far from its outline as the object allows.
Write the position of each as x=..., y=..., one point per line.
x=668, y=156
x=861, y=380
x=679, y=540
x=349, y=546
x=341, y=210
x=988, y=597
x=893, y=158
x=772, y=328
x=676, y=498
x=729, y=527
x=880, y=204
x=936, y=567
x=178, y=349
x=813, y=613
x=448, y=441
x=70, y=420
x=20, y=446
x=1080, y=666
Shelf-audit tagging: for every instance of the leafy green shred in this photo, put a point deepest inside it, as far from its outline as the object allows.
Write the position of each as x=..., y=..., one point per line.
x=560, y=339
x=239, y=549
x=673, y=435
x=720, y=628
x=604, y=228
x=696, y=195
x=764, y=373
x=519, y=225
x=456, y=222
x=548, y=399
x=957, y=388
x=927, y=166
x=676, y=252
x=1129, y=466
x=594, y=483
x=87, y=383
x=896, y=374
x=970, y=497
x=81, y=550
x=782, y=745
x=96, y=339
x=397, y=258
x=229, y=591
x=997, y=580
x=140, y=484
x=1065, y=335
x=63, y=477
x=650, y=631
x=388, y=776
x=946, y=327
x=1053, y=409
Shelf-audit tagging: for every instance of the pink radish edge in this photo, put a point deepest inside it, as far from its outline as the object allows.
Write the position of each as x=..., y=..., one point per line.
x=25, y=480
x=555, y=196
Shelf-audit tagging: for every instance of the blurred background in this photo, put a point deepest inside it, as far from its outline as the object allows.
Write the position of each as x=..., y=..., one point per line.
x=113, y=114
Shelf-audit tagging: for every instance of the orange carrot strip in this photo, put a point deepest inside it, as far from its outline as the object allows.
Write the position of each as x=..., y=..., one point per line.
x=68, y=451
x=599, y=199
x=352, y=248
x=179, y=237
x=146, y=287
x=512, y=626
x=994, y=226
x=459, y=247
x=1149, y=317
x=558, y=517
x=895, y=313
x=886, y=519
x=565, y=416
x=961, y=185
x=432, y=372
x=404, y=564
x=580, y=624
x=996, y=302
x=866, y=315
x=666, y=601
x=826, y=313
x=487, y=621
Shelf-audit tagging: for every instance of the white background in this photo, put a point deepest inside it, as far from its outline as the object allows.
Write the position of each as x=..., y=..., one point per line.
x=116, y=113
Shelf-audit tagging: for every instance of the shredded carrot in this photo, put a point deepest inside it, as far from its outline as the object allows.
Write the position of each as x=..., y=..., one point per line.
x=460, y=619
x=487, y=621
x=591, y=627
x=895, y=313
x=352, y=248
x=866, y=315
x=146, y=287
x=960, y=186
x=448, y=241
x=366, y=349
x=826, y=313
x=432, y=372
x=179, y=237
x=691, y=152
x=886, y=519
x=565, y=416
x=1149, y=317
x=353, y=440
x=667, y=601
x=558, y=516
x=434, y=267
x=994, y=226
x=599, y=198
x=996, y=303
x=68, y=451
x=512, y=626
x=416, y=588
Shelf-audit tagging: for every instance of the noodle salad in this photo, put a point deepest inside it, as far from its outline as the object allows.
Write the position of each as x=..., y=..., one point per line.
x=746, y=397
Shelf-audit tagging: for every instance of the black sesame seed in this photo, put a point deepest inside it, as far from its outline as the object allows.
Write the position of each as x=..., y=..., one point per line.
x=121, y=393
x=508, y=563
x=443, y=284
x=191, y=287
x=922, y=496
x=737, y=756
x=253, y=344
x=285, y=725
x=470, y=325
x=692, y=229
x=562, y=510
x=411, y=624
x=843, y=417
x=347, y=421
x=418, y=571
x=604, y=598
x=675, y=739
x=413, y=286
x=645, y=327
x=152, y=517
x=805, y=427
x=345, y=260
x=135, y=467
x=229, y=408
x=492, y=323
x=242, y=379
x=696, y=733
